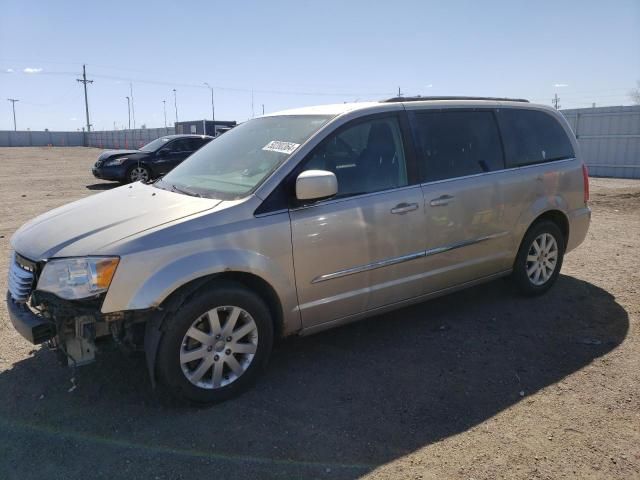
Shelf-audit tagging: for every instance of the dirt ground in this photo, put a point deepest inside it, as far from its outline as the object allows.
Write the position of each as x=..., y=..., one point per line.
x=479, y=384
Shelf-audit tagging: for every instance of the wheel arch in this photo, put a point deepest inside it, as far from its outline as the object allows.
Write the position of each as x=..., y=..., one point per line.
x=248, y=280
x=551, y=207
x=556, y=216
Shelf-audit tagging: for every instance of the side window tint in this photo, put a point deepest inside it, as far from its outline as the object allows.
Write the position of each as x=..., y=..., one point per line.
x=457, y=143
x=367, y=157
x=194, y=144
x=175, y=146
x=532, y=136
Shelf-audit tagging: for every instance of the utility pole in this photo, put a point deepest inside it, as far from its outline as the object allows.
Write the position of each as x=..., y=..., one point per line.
x=556, y=102
x=84, y=81
x=13, y=105
x=263, y=109
x=175, y=103
x=133, y=109
x=164, y=109
x=129, y=110
x=213, y=109
x=399, y=92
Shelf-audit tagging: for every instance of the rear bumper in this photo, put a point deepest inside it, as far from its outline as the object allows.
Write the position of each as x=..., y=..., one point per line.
x=579, y=221
x=30, y=325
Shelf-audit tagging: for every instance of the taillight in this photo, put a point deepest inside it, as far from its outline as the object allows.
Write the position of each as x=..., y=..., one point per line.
x=585, y=178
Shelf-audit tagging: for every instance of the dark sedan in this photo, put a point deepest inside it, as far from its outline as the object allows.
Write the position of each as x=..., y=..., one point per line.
x=151, y=161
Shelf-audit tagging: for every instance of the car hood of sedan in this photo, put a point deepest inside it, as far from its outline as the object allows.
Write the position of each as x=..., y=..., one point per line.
x=85, y=226
x=116, y=153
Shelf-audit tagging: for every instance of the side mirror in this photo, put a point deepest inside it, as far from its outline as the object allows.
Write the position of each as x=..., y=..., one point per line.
x=316, y=184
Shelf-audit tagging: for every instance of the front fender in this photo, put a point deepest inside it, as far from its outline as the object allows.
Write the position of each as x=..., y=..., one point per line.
x=154, y=289
x=180, y=272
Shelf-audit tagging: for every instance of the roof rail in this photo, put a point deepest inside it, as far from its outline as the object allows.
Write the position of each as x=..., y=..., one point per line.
x=420, y=99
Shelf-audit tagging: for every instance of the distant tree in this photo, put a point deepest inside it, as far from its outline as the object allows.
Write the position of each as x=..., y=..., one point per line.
x=143, y=126
x=635, y=94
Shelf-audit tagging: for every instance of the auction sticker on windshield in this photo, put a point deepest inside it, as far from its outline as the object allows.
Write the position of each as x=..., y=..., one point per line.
x=281, y=147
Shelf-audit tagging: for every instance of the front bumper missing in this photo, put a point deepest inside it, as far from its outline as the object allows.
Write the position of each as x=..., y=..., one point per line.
x=32, y=326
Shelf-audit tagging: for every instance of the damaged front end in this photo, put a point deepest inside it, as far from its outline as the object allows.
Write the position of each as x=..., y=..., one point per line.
x=72, y=328
x=80, y=327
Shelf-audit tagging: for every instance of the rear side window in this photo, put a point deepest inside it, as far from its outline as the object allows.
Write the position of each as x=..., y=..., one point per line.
x=454, y=144
x=194, y=144
x=532, y=136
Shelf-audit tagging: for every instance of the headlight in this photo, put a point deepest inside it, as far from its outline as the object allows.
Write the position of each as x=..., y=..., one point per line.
x=76, y=278
x=115, y=161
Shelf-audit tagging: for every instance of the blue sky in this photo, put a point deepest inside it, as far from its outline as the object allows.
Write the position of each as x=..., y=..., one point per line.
x=296, y=53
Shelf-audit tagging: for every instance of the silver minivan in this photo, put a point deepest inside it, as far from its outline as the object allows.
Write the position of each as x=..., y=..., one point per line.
x=300, y=221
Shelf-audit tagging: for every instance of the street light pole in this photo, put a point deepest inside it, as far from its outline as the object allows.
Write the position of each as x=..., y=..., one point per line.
x=164, y=109
x=133, y=108
x=175, y=103
x=129, y=110
x=13, y=105
x=213, y=109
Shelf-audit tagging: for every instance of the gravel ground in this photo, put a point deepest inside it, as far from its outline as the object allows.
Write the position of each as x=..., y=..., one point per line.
x=479, y=384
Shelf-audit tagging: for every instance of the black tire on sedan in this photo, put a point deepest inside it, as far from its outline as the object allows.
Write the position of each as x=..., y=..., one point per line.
x=539, y=258
x=138, y=173
x=216, y=345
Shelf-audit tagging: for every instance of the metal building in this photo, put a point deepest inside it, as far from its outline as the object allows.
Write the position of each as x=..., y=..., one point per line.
x=204, y=127
x=609, y=139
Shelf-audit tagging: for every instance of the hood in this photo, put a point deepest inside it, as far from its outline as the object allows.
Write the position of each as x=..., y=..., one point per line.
x=83, y=227
x=117, y=153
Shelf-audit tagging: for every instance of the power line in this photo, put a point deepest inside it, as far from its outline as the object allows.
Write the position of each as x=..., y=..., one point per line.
x=13, y=105
x=84, y=81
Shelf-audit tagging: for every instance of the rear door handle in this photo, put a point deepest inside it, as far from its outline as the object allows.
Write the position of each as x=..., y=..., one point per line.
x=441, y=201
x=403, y=208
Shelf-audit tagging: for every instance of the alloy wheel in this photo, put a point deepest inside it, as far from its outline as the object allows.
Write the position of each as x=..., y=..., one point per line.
x=219, y=347
x=139, y=174
x=542, y=259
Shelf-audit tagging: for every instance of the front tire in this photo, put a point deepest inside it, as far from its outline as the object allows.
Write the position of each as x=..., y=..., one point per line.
x=539, y=258
x=138, y=173
x=216, y=345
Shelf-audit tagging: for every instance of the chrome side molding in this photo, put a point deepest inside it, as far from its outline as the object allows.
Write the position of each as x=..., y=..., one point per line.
x=404, y=258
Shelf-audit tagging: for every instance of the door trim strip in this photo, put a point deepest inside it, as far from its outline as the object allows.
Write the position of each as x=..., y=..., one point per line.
x=404, y=258
x=369, y=266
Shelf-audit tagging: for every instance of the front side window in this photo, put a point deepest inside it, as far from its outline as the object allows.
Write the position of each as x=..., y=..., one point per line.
x=180, y=145
x=454, y=144
x=532, y=136
x=238, y=161
x=366, y=157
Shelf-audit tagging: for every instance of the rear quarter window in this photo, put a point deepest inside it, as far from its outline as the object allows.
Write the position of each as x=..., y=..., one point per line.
x=532, y=136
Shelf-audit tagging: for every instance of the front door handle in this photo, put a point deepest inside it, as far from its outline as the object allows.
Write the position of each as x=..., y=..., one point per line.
x=441, y=201
x=403, y=208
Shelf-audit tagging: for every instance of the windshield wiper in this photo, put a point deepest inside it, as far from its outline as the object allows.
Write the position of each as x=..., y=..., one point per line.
x=186, y=192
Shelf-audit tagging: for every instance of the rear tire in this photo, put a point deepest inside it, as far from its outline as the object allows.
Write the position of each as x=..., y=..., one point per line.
x=199, y=360
x=539, y=258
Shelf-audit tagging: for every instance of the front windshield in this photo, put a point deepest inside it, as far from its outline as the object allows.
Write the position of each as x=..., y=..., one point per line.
x=235, y=163
x=156, y=144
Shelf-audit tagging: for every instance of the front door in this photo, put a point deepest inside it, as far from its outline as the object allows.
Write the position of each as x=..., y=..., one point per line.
x=172, y=155
x=363, y=248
